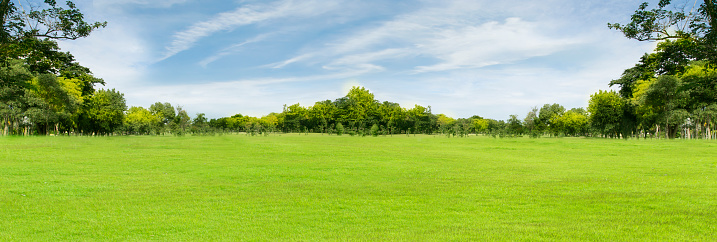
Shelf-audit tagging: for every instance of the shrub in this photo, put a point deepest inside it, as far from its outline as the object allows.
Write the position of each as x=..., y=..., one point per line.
x=339, y=129
x=374, y=130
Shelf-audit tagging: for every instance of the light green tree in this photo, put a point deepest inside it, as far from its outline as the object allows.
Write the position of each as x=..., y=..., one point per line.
x=139, y=120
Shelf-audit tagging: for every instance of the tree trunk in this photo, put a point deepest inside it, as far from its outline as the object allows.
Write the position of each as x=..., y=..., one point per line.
x=4, y=10
x=667, y=129
x=5, y=129
x=698, y=129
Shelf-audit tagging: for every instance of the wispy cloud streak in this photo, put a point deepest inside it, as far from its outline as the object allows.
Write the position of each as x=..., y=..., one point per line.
x=242, y=16
x=231, y=49
x=447, y=35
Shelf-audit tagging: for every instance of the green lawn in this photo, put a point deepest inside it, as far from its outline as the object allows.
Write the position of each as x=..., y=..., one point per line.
x=297, y=187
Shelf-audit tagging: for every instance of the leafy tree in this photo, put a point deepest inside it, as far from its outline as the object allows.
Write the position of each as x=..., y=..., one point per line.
x=63, y=98
x=164, y=111
x=606, y=112
x=392, y=116
x=374, y=130
x=358, y=107
x=339, y=129
x=320, y=114
x=54, y=91
x=514, y=126
x=139, y=120
x=662, y=24
x=105, y=112
x=480, y=125
x=295, y=118
x=180, y=122
x=445, y=123
x=665, y=91
x=14, y=80
x=200, y=124
x=530, y=120
x=573, y=122
x=30, y=32
x=271, y=121
x=664, y=95
x=547, y=115
x=53, y=22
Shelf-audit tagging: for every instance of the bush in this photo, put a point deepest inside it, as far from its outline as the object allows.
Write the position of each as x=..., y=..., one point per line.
x=374, y=130
x=535, y=134
x=339, y=129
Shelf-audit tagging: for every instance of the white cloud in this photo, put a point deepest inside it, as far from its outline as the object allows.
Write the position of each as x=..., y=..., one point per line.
x=231, y=49
x=246, y=15
x=491, y=43
x=364, y=59
x=469, y=57
x=446, y=34
x=116, y=54
x=144, y=3
x=290, y=61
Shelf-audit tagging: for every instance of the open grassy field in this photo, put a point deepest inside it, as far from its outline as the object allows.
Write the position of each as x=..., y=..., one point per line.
x=297, y=187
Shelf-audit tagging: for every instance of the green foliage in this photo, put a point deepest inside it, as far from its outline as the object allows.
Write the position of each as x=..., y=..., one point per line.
x=664, y=92
x=54, y=22
x=531, y=121
x=514, y=126
x=374, y=130
x=547, y=115
x=665, y=97
x=357, y=112
x=572, y=123
x=180, y=124
x=654, y=24
x=339, y=129
x=44, y=90
x=165, y=112
x=606, y=112
x=105, y=111
x=139, y=120
x=14, y=80
x=480, y=125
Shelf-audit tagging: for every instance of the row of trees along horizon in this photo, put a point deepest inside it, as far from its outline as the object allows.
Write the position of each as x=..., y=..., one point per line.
x=670, y=93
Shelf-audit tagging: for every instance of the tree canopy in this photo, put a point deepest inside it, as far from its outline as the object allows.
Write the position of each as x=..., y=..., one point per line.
x=43, y=89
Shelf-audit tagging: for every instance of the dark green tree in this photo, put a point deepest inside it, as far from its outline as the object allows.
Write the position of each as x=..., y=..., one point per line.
x=339, y=129
x=606, y=113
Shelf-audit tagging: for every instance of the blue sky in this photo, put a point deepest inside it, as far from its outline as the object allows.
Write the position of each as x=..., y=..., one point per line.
x=462, y=57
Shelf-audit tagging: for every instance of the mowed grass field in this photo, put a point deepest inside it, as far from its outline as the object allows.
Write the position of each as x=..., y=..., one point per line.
x=298, y=187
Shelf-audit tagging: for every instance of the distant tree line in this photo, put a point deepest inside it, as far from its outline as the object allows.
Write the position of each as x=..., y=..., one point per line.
x=359, y=113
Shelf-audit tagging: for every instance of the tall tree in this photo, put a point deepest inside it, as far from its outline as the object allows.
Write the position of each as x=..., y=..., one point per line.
x=547, y=115
x=606, y=112
x=665, y=96
x=181, y=121
x=105, y=112
x=14, y=80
